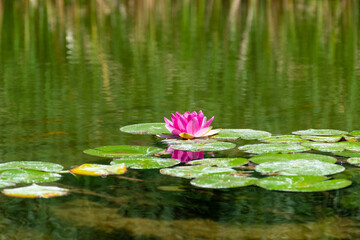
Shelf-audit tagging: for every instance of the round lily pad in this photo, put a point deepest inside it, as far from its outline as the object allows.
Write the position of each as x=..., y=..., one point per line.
x=122, y=151
x=283, y=139
x=220, y=162
x=299, y=167
x=206, y=147
x=352, y=146
x=325, y=147
x=291, y=156
x=28, y=176
x=354, y=161
x=146, y=162
x=36, y=191
x=195, y=171
x=35, y=165
x=347, y=154
x=223, y=181
x=335, y=138
x=247, y=134
x=355, y=133
x=320, y=132
x=273, y=148
x=302, y=183
x=99, y=169
x=146, y=128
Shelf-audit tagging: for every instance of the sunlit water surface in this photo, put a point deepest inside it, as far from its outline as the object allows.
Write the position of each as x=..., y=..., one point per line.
x=73, y=72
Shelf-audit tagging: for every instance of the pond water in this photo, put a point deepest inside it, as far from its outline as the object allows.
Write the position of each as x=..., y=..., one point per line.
x=73, y=72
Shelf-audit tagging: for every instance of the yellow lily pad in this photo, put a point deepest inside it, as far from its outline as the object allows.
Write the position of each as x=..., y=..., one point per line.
x=99, y=170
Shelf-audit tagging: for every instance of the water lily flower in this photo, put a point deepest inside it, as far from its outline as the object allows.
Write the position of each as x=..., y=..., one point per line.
x=190, y=125
x=185, y=156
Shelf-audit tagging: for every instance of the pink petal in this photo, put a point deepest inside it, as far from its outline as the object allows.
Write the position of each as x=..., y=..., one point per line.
x=202, y=132
x=208, y=122
x=173, y=130
x=168, y=122
x=193, y=126
x=212, y=132
x=200, y=117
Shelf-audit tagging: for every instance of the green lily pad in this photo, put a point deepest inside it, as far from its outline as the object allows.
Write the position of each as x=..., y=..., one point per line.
x=347, y=154
x=146, y=162
x=36, y=191
x=146, y=128
x=195, y=171
x=350, y=138
x=332, y=139
x=4, y=184
x=302, y=183
x=325, y=147
x=206, y=147
x=223, y=181
x=355, y=133
x=273, y=148
x=291, y=156
x=299, y=167
x=28, y=176
x=122, y=151
x=320, y=132
x=283, y=139
x=99, y=169
x=35, y=165
x=220, y=162
x=352, y=146
x=246, y=134
x=354, y=161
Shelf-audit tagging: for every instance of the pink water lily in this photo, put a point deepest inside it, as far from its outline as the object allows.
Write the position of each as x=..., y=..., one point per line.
x=190, y=125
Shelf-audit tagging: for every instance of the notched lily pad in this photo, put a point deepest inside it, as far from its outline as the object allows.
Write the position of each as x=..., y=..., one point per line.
x=206, y=147
x=28, y=176
x=220, y=162
x=146, y=128
x=329, y=139
x=99, y=169
x=122, y=151
x=354, y=161
x=283, y=139
x=36, y=191
x=146, y=162
x=246, y=134
x=320, y=132
x=291, y=156
x=35, y=165
x=195, y=171
x=299, y=167
x=273, y=148
x=302, y=183
x=223, y=181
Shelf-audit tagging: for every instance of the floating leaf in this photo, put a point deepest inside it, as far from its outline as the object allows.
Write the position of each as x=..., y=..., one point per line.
x=28, y=176
x=350, y=138
x=283, y=139
x=247, y=134
x=325, y=147
x=273, y=148
x=36, y=191
x=347, y=154
x=206, y=147
x=195, y=171
x=355, y=133
x=122, y=151
x=354, y=161
x=4, y=184
x=146, y=162
x=299, y=167
x=35, y=165
x=146, y=128
x=320, y=132
x=335, y=138
x=291, y=156
x=220, y=162
x=302, y=183
x=99, y=170
x=223, y=181
x=352, y=146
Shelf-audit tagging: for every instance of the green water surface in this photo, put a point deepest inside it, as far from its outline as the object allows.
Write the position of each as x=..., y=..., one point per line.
x=73, y=72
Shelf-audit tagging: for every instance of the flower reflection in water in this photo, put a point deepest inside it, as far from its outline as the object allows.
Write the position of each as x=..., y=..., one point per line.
x=185, y=156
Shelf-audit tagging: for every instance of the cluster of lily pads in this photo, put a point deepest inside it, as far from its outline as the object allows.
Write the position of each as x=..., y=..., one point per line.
x=301, y=162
